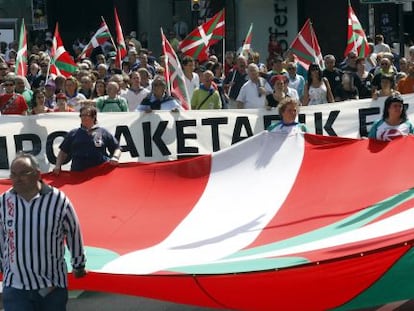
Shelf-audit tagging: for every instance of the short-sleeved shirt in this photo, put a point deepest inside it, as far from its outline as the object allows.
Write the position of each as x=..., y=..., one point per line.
x=134, y=98
x=290, y=128
x=206, y=99
x=249, y=94
x=381, y=130
x=12, y=104
x=89, y=148
x=117, y=104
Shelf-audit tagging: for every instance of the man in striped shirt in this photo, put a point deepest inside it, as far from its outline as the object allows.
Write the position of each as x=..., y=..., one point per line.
x=35, y=222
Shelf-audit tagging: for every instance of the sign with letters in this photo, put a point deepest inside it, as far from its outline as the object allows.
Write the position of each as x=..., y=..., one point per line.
x=165, y=135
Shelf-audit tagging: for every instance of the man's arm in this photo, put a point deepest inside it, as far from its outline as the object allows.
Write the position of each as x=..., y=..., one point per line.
x=74, y=241
x=62, y=156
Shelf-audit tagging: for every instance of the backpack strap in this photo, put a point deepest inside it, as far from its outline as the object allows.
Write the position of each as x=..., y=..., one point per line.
x=204, y=100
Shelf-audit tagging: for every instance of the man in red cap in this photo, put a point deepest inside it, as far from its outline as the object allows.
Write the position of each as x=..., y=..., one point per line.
x=62, y=104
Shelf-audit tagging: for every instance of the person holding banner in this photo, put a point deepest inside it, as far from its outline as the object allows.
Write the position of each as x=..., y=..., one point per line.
x=394, y=122
x=89, y=145
x=288, y=111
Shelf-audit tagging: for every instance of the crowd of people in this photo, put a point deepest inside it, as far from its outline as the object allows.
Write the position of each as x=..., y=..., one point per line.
x=238, y=81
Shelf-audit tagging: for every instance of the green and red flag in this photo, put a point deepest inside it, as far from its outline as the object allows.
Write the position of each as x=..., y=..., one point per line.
x=174, y=74
x=247, y=42
x=100, y=37
x=357, y=40
x=21, y=58
x=197, y=42
x=61, y=62
x=306, y=47
x=120, y=41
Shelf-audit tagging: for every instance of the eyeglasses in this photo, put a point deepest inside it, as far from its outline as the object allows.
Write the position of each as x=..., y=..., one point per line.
x=21, y=174
x=384, y=64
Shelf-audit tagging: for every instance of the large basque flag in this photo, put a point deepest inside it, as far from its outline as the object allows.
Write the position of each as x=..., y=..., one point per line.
x=357, y=41
x=306, y=47
x=276, y=222
x=198, y=41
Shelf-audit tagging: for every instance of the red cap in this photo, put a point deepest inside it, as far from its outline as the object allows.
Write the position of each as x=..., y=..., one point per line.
x=61, y=96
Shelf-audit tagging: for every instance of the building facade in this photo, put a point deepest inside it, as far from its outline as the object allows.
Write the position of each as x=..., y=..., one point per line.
x=80, y=18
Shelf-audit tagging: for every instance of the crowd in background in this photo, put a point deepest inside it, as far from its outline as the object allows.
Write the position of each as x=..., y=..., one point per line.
x=234, y=80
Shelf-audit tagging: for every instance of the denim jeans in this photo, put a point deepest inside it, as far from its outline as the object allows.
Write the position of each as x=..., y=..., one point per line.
x=30, y=300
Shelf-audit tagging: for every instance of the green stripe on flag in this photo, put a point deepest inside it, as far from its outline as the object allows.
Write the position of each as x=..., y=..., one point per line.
x=260, y=264
x=353, y=222
x=65, y=66
x=395, y=285
x=303, y=55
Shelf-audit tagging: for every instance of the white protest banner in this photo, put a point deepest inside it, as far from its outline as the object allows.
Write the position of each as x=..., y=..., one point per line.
x=165, y=135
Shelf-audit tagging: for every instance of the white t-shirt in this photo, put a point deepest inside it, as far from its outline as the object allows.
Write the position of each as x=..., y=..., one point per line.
x=192, y=84
x=381, y=130
x=135, y=98
x=249, y=94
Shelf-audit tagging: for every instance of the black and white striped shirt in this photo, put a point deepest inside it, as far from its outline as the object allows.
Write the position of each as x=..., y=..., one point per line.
x=33, y=236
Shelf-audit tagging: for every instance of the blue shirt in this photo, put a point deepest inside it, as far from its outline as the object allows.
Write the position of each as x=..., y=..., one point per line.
x=89, y=148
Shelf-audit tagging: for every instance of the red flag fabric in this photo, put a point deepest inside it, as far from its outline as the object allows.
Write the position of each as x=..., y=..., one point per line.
x=121, y=46
x=316, y=236
x=357, y=41
x=197, y=42
x=61, y=62
x=174, y=74
x=306, y=47
x=101, y=36
x=21, y=58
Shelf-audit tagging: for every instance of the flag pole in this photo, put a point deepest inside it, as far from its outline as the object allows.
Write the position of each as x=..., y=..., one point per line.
x=110, y=35
x=224, y=53
x=50, y=58
x=167, y=69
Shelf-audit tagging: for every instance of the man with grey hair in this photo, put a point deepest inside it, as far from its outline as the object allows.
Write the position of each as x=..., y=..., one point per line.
x=234, y=81
x=333, y=74
x=36, y=222
x=253, y=93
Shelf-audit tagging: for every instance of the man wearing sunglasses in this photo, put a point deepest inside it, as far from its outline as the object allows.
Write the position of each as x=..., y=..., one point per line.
x=10, y=101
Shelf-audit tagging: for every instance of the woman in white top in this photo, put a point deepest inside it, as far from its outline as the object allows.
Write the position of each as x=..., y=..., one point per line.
x=317, y=89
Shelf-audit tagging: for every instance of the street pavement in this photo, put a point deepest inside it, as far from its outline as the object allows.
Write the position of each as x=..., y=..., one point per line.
x=94, y=301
